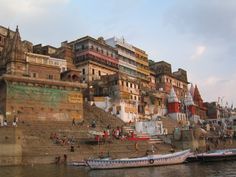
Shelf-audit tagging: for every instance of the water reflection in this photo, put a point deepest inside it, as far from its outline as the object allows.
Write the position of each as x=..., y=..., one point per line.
x=161, y=171
x=183, y=170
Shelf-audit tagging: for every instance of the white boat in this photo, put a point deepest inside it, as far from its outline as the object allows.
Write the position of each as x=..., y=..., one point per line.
x=214, y=155
x=146, y=161
x=77, y=163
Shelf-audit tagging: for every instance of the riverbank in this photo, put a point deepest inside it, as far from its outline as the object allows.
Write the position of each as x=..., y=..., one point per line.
x=45, y=142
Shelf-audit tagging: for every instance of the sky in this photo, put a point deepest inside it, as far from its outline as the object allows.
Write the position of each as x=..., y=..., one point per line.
x=196, y=35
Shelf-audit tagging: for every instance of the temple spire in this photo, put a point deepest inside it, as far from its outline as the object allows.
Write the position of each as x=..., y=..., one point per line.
x=189, y=99
x=191, y=90
x=197, y=97
x=172, y=97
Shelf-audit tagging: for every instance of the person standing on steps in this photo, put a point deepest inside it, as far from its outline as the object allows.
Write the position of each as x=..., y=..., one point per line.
x=65, y=159
x=73, y=122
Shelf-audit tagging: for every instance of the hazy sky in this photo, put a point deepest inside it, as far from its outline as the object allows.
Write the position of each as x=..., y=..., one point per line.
x=196, y=35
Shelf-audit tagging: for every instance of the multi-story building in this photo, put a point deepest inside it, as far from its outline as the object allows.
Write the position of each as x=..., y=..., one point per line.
x=94, y=58
x=126, y=55
x=124, y=95
x=45, y=50
x=165, y=79
x=143, y=71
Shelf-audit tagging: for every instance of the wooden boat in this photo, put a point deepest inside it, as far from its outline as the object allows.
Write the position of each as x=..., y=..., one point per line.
x=77, y=163
x=146, y=161
x=214, y=155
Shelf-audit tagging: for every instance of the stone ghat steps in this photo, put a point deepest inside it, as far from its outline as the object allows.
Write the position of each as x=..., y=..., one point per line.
x=170, y=124
x=100, y=116
x=125, y=145
x=125, y=149
x=39, y=148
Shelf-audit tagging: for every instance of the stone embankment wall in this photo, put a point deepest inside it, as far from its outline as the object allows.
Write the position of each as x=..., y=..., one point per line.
x=42, y=102
x=10, y=146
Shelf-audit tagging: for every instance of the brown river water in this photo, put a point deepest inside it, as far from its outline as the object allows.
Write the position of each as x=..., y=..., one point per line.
x=216, y=169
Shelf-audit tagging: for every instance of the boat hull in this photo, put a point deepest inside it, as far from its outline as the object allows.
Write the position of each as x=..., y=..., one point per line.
x=213, y=156
x=153, y=160
x=217, y=158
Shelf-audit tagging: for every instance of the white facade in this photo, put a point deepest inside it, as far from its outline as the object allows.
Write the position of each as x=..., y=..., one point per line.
x=126, y=52
x=150, y=127
x=125, y=111
x=103, y=103
x=178, y=116
x=46, y=60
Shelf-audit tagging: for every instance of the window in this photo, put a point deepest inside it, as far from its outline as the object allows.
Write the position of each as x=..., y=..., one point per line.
x=93, y=71
x=127, y=84
x=83, y=71
x=50, y=76
x=99, y=73
x=131, y=85
x=34, y=75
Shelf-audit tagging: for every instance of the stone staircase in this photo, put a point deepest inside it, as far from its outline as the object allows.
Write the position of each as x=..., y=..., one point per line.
x=101, y=117
x=38, y=148
x=169, y=124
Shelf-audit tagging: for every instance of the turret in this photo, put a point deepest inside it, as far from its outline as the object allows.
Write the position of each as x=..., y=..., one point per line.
x=173, y=102
x=197, y=97
x=190, y=104
x=15, y=56
x=191, y=90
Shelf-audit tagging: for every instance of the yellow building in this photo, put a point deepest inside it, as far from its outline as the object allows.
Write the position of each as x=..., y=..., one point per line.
x=143, y=71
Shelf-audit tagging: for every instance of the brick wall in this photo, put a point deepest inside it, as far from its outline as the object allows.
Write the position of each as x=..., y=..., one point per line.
x=43, y=71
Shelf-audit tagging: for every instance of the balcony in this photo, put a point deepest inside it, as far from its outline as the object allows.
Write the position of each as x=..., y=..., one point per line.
x=126, y=55
x=98, y=55
x=127, y=65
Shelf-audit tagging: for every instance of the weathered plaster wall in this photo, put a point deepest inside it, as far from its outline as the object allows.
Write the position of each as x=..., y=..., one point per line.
x=43, y=102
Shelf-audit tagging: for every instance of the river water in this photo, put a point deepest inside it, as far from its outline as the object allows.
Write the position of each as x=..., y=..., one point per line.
x=216, y=169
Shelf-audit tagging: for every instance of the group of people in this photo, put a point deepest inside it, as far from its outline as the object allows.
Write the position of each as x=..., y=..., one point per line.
x=4, y=123
x=63, y=141
x=58, y=159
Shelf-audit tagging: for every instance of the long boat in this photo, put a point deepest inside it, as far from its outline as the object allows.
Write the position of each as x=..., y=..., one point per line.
x=146, y=161
x=214, y=155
